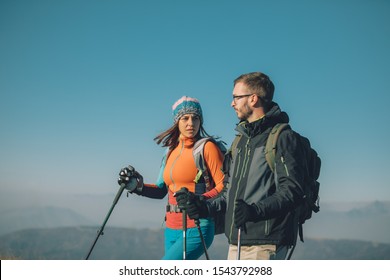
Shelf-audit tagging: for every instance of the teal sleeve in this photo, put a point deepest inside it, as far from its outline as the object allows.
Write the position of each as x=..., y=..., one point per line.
x=160, y=180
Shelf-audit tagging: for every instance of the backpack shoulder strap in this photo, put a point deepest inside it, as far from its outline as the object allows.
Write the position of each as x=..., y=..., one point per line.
x=197, y=152
x=270, y=147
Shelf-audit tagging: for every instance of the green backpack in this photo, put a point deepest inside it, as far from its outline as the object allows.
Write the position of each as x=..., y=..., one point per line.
x=313, y=165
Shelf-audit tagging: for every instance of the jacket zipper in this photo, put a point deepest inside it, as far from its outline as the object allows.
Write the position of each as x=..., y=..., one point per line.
x=244, y=165
x=239, y=161
x=288, y=174
x=285, y=166
x=266, y=227
x=173, y=164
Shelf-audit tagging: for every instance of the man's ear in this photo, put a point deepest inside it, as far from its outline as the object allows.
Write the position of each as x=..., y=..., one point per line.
x=256, y=101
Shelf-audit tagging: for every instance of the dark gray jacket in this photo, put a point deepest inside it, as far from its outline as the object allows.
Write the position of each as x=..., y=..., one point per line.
x=248, y=177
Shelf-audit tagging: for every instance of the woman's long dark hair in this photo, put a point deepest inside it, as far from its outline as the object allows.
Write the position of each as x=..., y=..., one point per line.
x=170, y=137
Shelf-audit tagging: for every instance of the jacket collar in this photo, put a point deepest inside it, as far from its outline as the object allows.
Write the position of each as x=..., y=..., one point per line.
x=187, y=142
x=273, y=116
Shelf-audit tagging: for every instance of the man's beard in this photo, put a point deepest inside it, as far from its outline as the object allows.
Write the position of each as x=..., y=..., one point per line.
x=245, y=114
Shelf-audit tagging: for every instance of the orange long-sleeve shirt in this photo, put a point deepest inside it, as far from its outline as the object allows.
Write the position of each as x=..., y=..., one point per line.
x=180, y=171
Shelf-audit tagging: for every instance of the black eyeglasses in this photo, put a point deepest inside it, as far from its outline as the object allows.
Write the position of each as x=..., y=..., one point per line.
x=238, y=97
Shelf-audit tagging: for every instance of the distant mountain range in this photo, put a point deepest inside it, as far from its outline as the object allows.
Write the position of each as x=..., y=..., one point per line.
x=40, y=217
x=23, y=216
x=73, y=243
x=366, y=221
x=48, y=210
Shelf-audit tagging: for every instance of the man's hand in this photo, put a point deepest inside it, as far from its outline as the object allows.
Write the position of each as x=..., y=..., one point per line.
x=243, y=212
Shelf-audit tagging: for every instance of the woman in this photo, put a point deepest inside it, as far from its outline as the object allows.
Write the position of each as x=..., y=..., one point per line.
x=179, y=171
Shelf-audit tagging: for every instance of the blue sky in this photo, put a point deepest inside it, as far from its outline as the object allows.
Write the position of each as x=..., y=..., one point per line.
x=86, y=85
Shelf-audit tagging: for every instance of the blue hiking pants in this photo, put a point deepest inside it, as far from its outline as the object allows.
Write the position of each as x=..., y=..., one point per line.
x=195, y=249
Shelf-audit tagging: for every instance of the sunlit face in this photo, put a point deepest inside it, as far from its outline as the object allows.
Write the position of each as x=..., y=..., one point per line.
x=240, y=101
x=189, y=125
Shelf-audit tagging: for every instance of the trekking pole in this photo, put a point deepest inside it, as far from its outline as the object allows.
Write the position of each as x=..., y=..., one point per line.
x=100, y=231
x=202, y=238
x=239, y=243
x=290, y=253
x=184, y=233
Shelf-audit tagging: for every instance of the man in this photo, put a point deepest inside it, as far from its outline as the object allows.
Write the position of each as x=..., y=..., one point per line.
x=259, y=205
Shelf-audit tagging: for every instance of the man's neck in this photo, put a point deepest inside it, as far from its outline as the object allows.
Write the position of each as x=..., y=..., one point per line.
x=255, y=117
